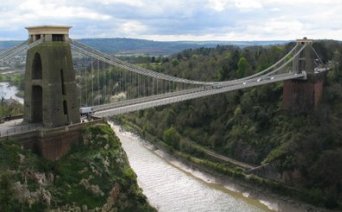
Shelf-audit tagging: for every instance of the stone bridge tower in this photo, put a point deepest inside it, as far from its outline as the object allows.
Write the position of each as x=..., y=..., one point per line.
x=50, y=87
x=300, y=96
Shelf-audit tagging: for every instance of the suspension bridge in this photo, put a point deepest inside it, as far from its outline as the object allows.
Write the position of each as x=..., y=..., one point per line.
x=111, y=86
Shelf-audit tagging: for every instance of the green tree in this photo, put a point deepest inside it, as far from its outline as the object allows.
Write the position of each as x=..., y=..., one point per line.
x=171, y=137
x=6, y=192
x=244, y=68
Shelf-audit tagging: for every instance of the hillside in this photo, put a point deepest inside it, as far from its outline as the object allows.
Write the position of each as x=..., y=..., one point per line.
x=250, y=126
x=94, y=176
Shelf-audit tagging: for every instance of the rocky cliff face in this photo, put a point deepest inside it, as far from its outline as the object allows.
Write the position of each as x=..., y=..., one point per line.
x=94, y=176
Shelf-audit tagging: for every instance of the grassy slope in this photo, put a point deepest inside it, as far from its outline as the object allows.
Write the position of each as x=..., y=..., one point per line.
x=93, y=175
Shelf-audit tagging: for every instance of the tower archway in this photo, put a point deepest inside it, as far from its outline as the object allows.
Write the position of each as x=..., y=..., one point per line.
x=37, y=68
x=37, y=104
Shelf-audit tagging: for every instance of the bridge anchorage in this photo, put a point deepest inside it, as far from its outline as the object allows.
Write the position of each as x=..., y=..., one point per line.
x=56, y=85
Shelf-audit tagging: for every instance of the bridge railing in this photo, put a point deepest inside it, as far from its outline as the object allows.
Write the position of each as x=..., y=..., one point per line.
x=145, y=99
x=19, y=129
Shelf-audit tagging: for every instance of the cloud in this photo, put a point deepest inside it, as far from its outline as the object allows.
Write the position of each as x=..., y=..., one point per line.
x=31, y=12
x=275, y=28
x=134, y=3
x=178, y=19
x=243, y=5
x=132, y=28
x=218, y=5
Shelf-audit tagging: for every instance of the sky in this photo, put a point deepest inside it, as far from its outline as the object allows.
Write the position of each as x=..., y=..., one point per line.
x=172, y=20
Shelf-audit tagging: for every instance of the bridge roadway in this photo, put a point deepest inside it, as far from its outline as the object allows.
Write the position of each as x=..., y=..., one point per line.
x=164, y=99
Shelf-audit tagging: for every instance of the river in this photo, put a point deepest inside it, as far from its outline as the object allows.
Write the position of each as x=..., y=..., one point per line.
x=171, y=186
x=9, y=92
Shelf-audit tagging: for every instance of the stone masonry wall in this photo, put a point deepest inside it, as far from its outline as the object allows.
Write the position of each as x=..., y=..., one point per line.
x=300, y=96
x=52, y=143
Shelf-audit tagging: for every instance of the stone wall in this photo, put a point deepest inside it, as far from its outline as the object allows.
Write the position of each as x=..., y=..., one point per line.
x=52, y=143
x=300, y=96
x=53, y=146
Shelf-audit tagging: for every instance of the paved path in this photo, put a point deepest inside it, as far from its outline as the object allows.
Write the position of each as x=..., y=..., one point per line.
x=221, y=157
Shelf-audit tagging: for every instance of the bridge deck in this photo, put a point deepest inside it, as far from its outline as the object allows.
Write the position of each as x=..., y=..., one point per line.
x=154, y=101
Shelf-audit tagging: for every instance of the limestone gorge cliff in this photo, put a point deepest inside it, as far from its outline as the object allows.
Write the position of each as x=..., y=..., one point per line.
x=94, y=176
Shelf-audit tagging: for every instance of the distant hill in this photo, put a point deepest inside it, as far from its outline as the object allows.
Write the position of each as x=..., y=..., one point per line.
x=8, y=44
x=128, y=46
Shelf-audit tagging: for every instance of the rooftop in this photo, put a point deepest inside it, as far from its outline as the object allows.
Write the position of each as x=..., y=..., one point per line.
x=48, y=29
x=304, y=40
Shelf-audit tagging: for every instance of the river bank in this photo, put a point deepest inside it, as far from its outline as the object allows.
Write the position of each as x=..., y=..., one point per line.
x=254, y=194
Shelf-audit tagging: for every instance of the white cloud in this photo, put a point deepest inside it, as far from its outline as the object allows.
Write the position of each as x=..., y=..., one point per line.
x=275, y=28
x=132, y=28
x=178, y=19
x=248, y=5
x=218, y=5
x=308, y=3
x=55, y=10
x=135, y=3
x=30, y=12
x=245, y=5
